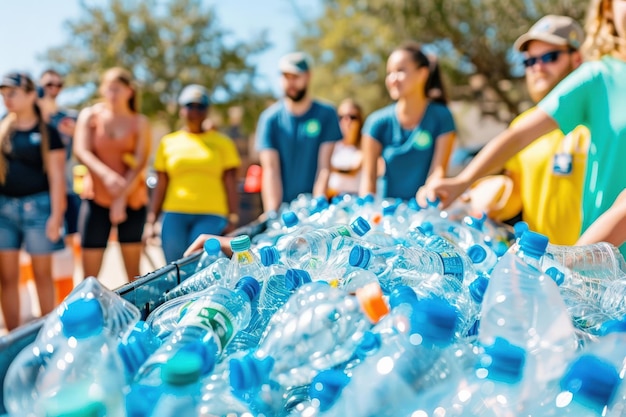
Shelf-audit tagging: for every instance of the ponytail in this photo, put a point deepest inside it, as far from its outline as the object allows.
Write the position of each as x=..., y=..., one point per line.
x=45, y=137
x=433, y=89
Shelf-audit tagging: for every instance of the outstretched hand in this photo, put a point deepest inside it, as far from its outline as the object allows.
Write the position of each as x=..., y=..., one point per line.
x=446, y=190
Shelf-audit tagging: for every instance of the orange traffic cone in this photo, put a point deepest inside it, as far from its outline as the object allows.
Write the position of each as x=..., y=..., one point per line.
x=29, y=302
x=63, y=273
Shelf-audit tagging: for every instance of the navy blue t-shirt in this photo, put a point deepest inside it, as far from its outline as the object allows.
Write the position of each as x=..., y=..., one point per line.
x=297, y=140
x=408, y=154
x=25, y=173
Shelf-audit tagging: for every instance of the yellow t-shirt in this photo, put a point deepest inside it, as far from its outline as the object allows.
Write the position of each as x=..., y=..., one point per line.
x=550, y=173
x=194, y=164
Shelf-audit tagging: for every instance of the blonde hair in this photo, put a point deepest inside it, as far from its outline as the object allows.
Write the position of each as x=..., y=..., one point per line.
x=7, y=126
x=123, y=76
x=601, y=38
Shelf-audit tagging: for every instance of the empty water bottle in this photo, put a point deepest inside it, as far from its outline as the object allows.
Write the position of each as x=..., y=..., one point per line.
x=212, y=251
x=613, y=301
x=524, y=306
x=87, y=359
x=244, y=261
x=217, y=273
x=207, y=326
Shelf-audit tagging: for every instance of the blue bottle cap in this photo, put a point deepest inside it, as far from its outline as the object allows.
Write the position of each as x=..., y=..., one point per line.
x=369, y=198
x=360, y=226
x=370, y=342
x=592, y=380
x=207, y=350
x=212, y=246
x=520, y=228
x=433, y=203
x=556, y=275
x=413, y=205
x=435, y=320
x=500, y=248
x=182, y=369
x=319, y=203
x=360, y=256
x=326, y=387
x=504, y=361
x=250, y=286
x=240, y=243
x=426, y=228
x=295, y=278
x=478, y=287
x=82, y=318
x=389, y=210
x=269, y=255
x=290, y=218
x=613, y=326
x=474, y=223
x=533, y=244
x=135, y=349
x=477, y=253
x=402, y=294
x=249, y=372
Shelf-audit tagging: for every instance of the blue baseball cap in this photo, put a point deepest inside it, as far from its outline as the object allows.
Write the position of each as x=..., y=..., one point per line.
x=294, y=63
x=15, y=79
x=194, y=94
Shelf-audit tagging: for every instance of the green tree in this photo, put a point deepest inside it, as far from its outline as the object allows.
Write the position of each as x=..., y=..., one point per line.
x=167, y=45
x=351, y=41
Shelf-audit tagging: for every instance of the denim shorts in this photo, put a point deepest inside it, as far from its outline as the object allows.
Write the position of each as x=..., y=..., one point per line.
x=23, y=224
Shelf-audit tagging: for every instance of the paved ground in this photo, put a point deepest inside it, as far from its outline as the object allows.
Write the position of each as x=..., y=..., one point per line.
x=112, y=275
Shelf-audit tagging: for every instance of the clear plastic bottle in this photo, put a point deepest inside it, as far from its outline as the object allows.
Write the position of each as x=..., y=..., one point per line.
x=180, y=392
x=214, y=274
x=244, y=262
x=385, y=380
x=318, y=327
x=136, y=348
x=207, y=326
x=310, y=251
x=20, y=379
x=212, y=251
x=524, y=306
x=87, y=359
x=613, y=301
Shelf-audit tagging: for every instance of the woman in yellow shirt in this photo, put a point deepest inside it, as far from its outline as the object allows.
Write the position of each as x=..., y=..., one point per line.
x=196, y=179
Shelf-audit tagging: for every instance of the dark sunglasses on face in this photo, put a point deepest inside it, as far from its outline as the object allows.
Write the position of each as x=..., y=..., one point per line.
x=348, y=116
x=57, y=85
x=195, y=106
x=546, y=58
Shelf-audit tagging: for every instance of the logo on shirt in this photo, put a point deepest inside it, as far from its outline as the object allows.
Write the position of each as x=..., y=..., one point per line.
x=312, y=128
x=422, y=140
x=35, y=138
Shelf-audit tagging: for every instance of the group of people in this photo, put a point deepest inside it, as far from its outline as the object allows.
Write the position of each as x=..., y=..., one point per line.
x=562, y=155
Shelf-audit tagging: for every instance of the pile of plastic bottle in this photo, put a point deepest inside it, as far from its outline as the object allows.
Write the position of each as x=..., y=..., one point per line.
x=354, y=308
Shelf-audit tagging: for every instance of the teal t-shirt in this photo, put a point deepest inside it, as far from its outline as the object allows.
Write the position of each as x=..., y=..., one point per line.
x=594, y=95
x=297, y=140
x=407, y=153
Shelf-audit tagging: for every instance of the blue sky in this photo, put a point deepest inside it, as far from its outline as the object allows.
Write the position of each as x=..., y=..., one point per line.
x=30, y=27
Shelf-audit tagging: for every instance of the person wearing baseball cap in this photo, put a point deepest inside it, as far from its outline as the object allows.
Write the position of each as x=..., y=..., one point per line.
x=196, y=179
x=295, y=138
x=548, y=175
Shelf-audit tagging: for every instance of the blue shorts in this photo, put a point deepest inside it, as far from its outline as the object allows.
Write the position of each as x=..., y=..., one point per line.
x=179, y=230
x=23, y=223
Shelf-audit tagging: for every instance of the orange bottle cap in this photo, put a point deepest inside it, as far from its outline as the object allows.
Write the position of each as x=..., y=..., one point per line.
x=371, y=298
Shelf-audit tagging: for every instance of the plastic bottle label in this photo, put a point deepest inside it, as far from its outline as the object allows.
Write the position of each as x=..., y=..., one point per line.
x=343, y=231
x=244, y=258
x=212, y=317
x=452, y=264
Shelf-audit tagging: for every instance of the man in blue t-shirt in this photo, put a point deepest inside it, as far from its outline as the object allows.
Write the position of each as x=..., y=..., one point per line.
x=295, y=138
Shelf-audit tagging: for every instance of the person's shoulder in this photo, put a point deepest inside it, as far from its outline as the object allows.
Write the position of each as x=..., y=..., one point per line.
x=439, y=108
x=322, y=106
x=217, y=136
x=273, y=110
x=384, y=114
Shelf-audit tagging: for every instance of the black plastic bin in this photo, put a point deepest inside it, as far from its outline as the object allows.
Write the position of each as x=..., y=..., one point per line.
x=146, y=293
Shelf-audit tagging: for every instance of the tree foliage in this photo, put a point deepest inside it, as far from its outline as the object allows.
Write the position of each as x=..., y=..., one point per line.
x=166, y=45
x=352, y=39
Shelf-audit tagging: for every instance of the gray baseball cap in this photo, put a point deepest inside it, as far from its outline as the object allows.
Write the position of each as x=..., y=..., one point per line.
x=557, y=30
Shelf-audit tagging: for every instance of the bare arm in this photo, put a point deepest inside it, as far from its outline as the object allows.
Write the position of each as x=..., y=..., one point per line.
x=441, y=156
x=83, y=147
x=371, y=150
x=58, y=201
x=232, y=197
x=490, y=159
x=609, y=227
x=323, y=168
x=271, y=185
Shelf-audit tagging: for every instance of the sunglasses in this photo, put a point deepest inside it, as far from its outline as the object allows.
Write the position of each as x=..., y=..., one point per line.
x=348, y=116
x=546, y=58
x=195, y=106
x=50, y=85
